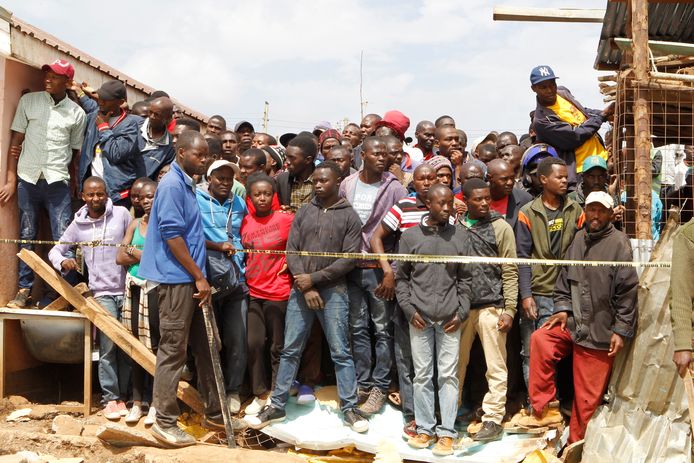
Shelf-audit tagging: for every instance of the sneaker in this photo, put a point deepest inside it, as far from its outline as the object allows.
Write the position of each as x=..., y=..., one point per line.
x=305, y=395
x=374, y=404
x=21, y=300
x=151, y=416
x=134, y=415
x=172, y=436
x=362, y=395
x=256, y=406
x=234, y=403
x=421, y=441
x=443, y=447
x=490, y=431
x=267, y=415
x=122, y=409
x=355, y=421
x=111, y=411
x=294, y=390
x=410, y=430
x=549, y=416
x=213, y=423
x=474, y=427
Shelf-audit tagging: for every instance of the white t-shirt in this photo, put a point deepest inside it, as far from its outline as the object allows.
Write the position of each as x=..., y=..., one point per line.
x=364, y=198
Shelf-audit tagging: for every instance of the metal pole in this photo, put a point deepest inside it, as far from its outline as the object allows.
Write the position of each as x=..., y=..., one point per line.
x=213, y=343
x=265, y=116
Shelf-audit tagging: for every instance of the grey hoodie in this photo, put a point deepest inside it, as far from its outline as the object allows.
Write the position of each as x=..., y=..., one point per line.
x=437, y=291
x=333, y=229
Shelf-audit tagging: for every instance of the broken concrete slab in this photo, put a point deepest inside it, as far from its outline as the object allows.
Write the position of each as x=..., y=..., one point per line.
x=67, y=425
x=122, y=436
x=19, y=415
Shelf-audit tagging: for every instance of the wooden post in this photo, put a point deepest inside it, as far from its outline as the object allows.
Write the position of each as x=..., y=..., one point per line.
x=108, y=325
x=87, y=368
x=642, y=130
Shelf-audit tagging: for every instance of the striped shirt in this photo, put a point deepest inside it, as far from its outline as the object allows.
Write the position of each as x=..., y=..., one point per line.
x=51, y=131
x=406, y=213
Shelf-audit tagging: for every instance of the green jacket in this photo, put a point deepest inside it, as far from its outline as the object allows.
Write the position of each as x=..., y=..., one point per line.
x=682, y=286
x=533, y=242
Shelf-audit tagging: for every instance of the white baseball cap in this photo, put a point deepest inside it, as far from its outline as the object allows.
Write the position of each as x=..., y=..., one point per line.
x=221, y=163
x=600, y=197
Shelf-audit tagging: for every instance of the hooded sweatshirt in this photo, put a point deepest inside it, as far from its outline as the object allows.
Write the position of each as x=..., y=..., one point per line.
x=333, y=229
x=106, y=278
x=389, y=193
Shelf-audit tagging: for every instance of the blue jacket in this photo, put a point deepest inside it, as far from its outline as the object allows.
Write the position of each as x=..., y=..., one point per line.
x=121, y=158
x=174, y=213
x=222, y=222
x=156, y=157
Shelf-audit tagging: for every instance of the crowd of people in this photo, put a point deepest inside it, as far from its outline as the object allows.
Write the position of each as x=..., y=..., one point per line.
x=185, y=203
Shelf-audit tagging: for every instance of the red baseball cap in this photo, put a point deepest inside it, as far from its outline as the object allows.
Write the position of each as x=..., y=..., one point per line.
x=396, y=121
x=60, y=67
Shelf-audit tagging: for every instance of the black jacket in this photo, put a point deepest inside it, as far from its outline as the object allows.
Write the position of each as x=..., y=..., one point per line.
x=563, y=136
x=334, y=229
x=600, y=300
x=518, y=199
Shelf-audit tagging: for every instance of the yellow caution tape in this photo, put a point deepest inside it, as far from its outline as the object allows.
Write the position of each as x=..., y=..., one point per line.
x=419, y=258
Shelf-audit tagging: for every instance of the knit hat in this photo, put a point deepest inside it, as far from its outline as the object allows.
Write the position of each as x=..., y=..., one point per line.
x=396, y=121
x=437, y=162
x=330, y=133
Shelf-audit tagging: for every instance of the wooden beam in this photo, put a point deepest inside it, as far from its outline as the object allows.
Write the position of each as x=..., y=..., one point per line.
x=562, y=15
x=61, y=303
x=108, y=325
x=642, y=129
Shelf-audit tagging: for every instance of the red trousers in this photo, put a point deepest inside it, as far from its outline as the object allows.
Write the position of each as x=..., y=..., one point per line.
x=591, y=373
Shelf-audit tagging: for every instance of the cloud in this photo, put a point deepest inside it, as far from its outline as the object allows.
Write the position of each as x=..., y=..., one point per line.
x=424, y=57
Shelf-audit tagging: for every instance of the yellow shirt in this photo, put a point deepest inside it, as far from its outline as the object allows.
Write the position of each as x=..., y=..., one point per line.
x=570, y=114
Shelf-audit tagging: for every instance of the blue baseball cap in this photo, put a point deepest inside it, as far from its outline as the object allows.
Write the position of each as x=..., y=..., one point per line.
x=594, y=161
x=536, y=153
x=540, y=74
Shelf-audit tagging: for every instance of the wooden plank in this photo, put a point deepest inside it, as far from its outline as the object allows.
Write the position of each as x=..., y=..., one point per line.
x=564, y=15
x=61, y=304
x=87, y=387
x=2, y=358
x=103, y=320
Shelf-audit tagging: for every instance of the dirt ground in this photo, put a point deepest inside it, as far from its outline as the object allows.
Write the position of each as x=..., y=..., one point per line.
x=36, y=435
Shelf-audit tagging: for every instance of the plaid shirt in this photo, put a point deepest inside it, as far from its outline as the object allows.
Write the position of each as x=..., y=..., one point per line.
x=301, y=193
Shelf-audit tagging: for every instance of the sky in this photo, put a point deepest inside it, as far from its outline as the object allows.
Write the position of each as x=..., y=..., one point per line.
x=422, y=57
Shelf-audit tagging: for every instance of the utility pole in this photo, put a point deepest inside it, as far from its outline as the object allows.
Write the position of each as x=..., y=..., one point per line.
x=362, y=101
x=265, y=116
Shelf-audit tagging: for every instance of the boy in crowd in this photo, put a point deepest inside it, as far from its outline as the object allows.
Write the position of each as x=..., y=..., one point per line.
x=100, y=220
x=493, y=300
x=435, y=300
x=328, y=224
x=372, y=192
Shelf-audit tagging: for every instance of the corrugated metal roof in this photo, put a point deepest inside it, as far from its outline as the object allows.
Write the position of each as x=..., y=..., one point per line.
x=670, y=22
x=31, y=31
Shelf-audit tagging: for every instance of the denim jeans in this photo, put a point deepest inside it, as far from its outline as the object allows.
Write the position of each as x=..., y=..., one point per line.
x=232, y=316
x=434, y=346
x=55, y=198
x=113, y=367
x=366, y=307
x=334, y=318
x=403, y=361
x=545, y=309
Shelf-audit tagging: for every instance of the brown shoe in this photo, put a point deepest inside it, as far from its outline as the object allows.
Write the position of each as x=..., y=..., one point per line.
x=550, y=416
x=21, y=300
x=443, y=447
x=421, y=441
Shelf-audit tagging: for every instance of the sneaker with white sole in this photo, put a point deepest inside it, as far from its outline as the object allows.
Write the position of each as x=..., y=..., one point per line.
x=267, y=415
x=21, y=300
x=122, y=408
x=134, y=415
x=111, y=411
x=305, y=395
x=355, y=421
x=151, y=417
x=234, y=403
x=254, y=407
x=172, y=436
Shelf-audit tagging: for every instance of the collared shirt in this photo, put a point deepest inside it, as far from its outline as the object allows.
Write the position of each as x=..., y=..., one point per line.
x=152, y=143
x=51, y=131
x=301, y=192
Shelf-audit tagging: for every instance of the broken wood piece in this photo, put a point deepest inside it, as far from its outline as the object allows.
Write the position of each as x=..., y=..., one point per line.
x=108, y=325
x=62, y=304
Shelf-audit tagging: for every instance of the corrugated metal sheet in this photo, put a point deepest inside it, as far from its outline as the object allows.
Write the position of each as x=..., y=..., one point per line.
x=669, y=22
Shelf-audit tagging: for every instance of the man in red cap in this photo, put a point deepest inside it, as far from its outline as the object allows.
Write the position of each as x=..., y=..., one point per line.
x=396, y=124
x=47, y=134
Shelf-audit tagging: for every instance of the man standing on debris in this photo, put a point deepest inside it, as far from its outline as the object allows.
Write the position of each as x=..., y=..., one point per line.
x=46, y=135
x=561, y=121
x=595, y=312
x=174, y=256
x=682, y=296
x=100, y=220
